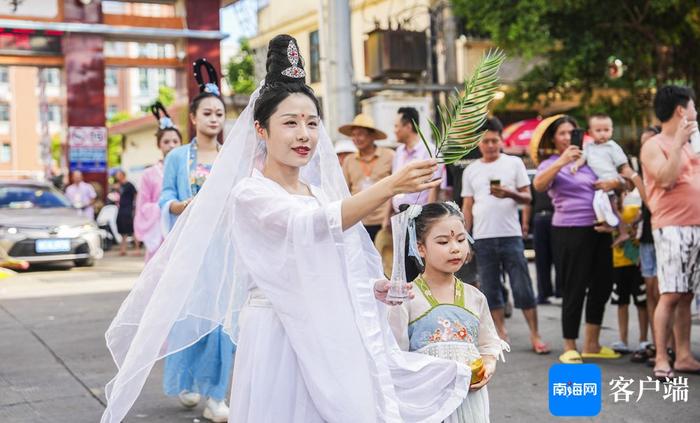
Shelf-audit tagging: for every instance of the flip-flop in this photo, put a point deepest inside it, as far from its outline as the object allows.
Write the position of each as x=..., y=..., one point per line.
x=662, y=375
x=688, y=371
x=604, y=353
x=571, y=357
x=541, y=348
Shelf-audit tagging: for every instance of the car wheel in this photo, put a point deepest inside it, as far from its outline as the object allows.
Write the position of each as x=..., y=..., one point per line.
x=88, y=262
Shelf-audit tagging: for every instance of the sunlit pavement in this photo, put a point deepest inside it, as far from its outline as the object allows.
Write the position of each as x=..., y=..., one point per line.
x=54, y=364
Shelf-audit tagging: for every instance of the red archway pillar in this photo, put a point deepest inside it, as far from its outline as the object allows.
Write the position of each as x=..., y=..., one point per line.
x=202, y=15
x=85, y=74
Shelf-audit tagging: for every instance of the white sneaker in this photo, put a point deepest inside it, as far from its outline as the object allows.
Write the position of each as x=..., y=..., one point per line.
x=216, y=411
x=189, y=399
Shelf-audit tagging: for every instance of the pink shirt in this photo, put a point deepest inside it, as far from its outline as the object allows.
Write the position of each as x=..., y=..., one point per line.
x=81, y=195
x=147, y=218
x=680, y=205
x=405, y=156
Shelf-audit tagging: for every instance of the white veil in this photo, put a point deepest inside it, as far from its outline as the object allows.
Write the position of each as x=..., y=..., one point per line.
x=190, y=287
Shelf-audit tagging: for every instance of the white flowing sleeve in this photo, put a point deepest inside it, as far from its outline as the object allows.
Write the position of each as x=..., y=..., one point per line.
x=489, y=341
x=398, y=321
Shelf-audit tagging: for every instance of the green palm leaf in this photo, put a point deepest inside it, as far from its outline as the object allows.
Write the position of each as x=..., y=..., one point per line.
x=466, y=112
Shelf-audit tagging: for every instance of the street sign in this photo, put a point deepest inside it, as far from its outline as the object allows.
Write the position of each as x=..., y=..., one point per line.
x=87, y=148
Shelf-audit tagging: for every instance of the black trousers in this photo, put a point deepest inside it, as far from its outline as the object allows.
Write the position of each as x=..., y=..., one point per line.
x=583, y=259
x=542, y=239
x=372, y=230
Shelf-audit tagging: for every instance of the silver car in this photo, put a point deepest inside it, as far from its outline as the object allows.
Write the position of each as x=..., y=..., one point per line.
x=38, y=224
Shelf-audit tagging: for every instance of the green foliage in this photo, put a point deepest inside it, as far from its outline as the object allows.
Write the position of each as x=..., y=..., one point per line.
x=240, y=70
x=115, y=143
x=465, y=113
x=56, y=149
x=166, y=95
x=654, y=39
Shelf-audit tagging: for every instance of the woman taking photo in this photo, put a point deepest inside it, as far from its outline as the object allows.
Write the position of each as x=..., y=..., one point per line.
x=582, y=255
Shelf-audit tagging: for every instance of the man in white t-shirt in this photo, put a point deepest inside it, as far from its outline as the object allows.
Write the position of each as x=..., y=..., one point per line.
x=492, y=188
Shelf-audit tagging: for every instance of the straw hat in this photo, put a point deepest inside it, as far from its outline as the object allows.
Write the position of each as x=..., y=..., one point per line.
x=362, y=121
x=345, y=146
x=537, y=136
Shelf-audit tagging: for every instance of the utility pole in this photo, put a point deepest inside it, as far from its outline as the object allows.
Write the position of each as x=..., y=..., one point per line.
x=339, y=98
x=449, y=30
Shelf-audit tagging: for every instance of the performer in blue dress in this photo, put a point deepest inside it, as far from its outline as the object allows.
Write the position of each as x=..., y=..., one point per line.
x=204, y=368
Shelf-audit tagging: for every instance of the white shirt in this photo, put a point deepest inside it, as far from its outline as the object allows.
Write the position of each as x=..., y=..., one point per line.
x=494, y=217
x=605, y=159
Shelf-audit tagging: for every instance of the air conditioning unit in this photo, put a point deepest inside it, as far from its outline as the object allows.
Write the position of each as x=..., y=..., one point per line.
x=396, y=54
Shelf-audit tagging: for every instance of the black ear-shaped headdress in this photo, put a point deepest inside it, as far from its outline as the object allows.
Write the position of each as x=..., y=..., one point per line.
x=162, y=116
x=209, y=87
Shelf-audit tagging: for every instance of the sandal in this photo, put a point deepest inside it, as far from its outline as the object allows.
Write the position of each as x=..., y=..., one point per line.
x=663, y=375
x=639, y=356
x=541, y=348
x=688, y=371
x=571, y=357
x=604, y=353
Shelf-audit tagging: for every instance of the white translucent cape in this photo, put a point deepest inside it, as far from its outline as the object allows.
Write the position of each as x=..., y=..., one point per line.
x=196, y=283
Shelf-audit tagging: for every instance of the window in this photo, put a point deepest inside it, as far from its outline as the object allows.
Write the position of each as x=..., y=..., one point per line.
x=4, y=112
x=5, y=153
x=152, y=10
x=4, y=75
x=143, y=81
x=112, y=110
x=52, y=76
x=111, y=77
x=162, y=77
x=314, y=57
x=55, y=113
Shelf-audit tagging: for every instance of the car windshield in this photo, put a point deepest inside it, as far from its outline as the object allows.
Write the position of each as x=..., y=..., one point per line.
x=28, y=197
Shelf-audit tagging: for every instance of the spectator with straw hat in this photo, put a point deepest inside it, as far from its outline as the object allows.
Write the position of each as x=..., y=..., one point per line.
x=368, y=165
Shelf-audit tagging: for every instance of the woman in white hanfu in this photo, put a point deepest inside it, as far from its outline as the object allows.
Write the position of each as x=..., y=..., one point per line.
x=272, y=250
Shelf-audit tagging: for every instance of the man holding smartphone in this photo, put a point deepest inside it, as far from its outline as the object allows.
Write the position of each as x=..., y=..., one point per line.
x=492, y=188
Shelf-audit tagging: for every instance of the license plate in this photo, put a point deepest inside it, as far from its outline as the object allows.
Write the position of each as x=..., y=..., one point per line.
x=52, y=245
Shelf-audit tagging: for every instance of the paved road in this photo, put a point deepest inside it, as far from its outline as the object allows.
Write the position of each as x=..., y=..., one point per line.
x=54, y=365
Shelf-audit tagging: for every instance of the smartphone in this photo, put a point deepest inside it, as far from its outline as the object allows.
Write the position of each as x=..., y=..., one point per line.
x=577, y=137
x=495, y=182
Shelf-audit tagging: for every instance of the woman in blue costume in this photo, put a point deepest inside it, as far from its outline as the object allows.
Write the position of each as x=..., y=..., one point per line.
x=204, y=368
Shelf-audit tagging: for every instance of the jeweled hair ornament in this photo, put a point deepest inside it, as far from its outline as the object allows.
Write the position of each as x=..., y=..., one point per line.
x=294, y=71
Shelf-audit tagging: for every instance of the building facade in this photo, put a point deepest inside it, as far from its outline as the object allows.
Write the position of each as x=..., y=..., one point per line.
x=67, y=66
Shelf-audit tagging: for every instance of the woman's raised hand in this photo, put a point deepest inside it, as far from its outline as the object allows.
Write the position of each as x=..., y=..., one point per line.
x=415, y=177
x=571, y=154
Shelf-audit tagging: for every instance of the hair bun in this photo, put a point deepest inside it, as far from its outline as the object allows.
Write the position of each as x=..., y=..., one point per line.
x=162, y=116
x=284, y=61
x=209, y=87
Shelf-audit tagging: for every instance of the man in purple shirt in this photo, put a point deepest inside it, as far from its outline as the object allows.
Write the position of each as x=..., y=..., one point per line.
x=410, y=150
x=82, y=195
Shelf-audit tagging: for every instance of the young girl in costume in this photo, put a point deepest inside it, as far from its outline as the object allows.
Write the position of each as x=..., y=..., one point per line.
x=272, y=249
x=147, y=227
x=202, y=369
x=448, y=318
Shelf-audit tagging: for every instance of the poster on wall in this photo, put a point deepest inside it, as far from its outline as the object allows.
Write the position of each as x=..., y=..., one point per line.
x=87, y=148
